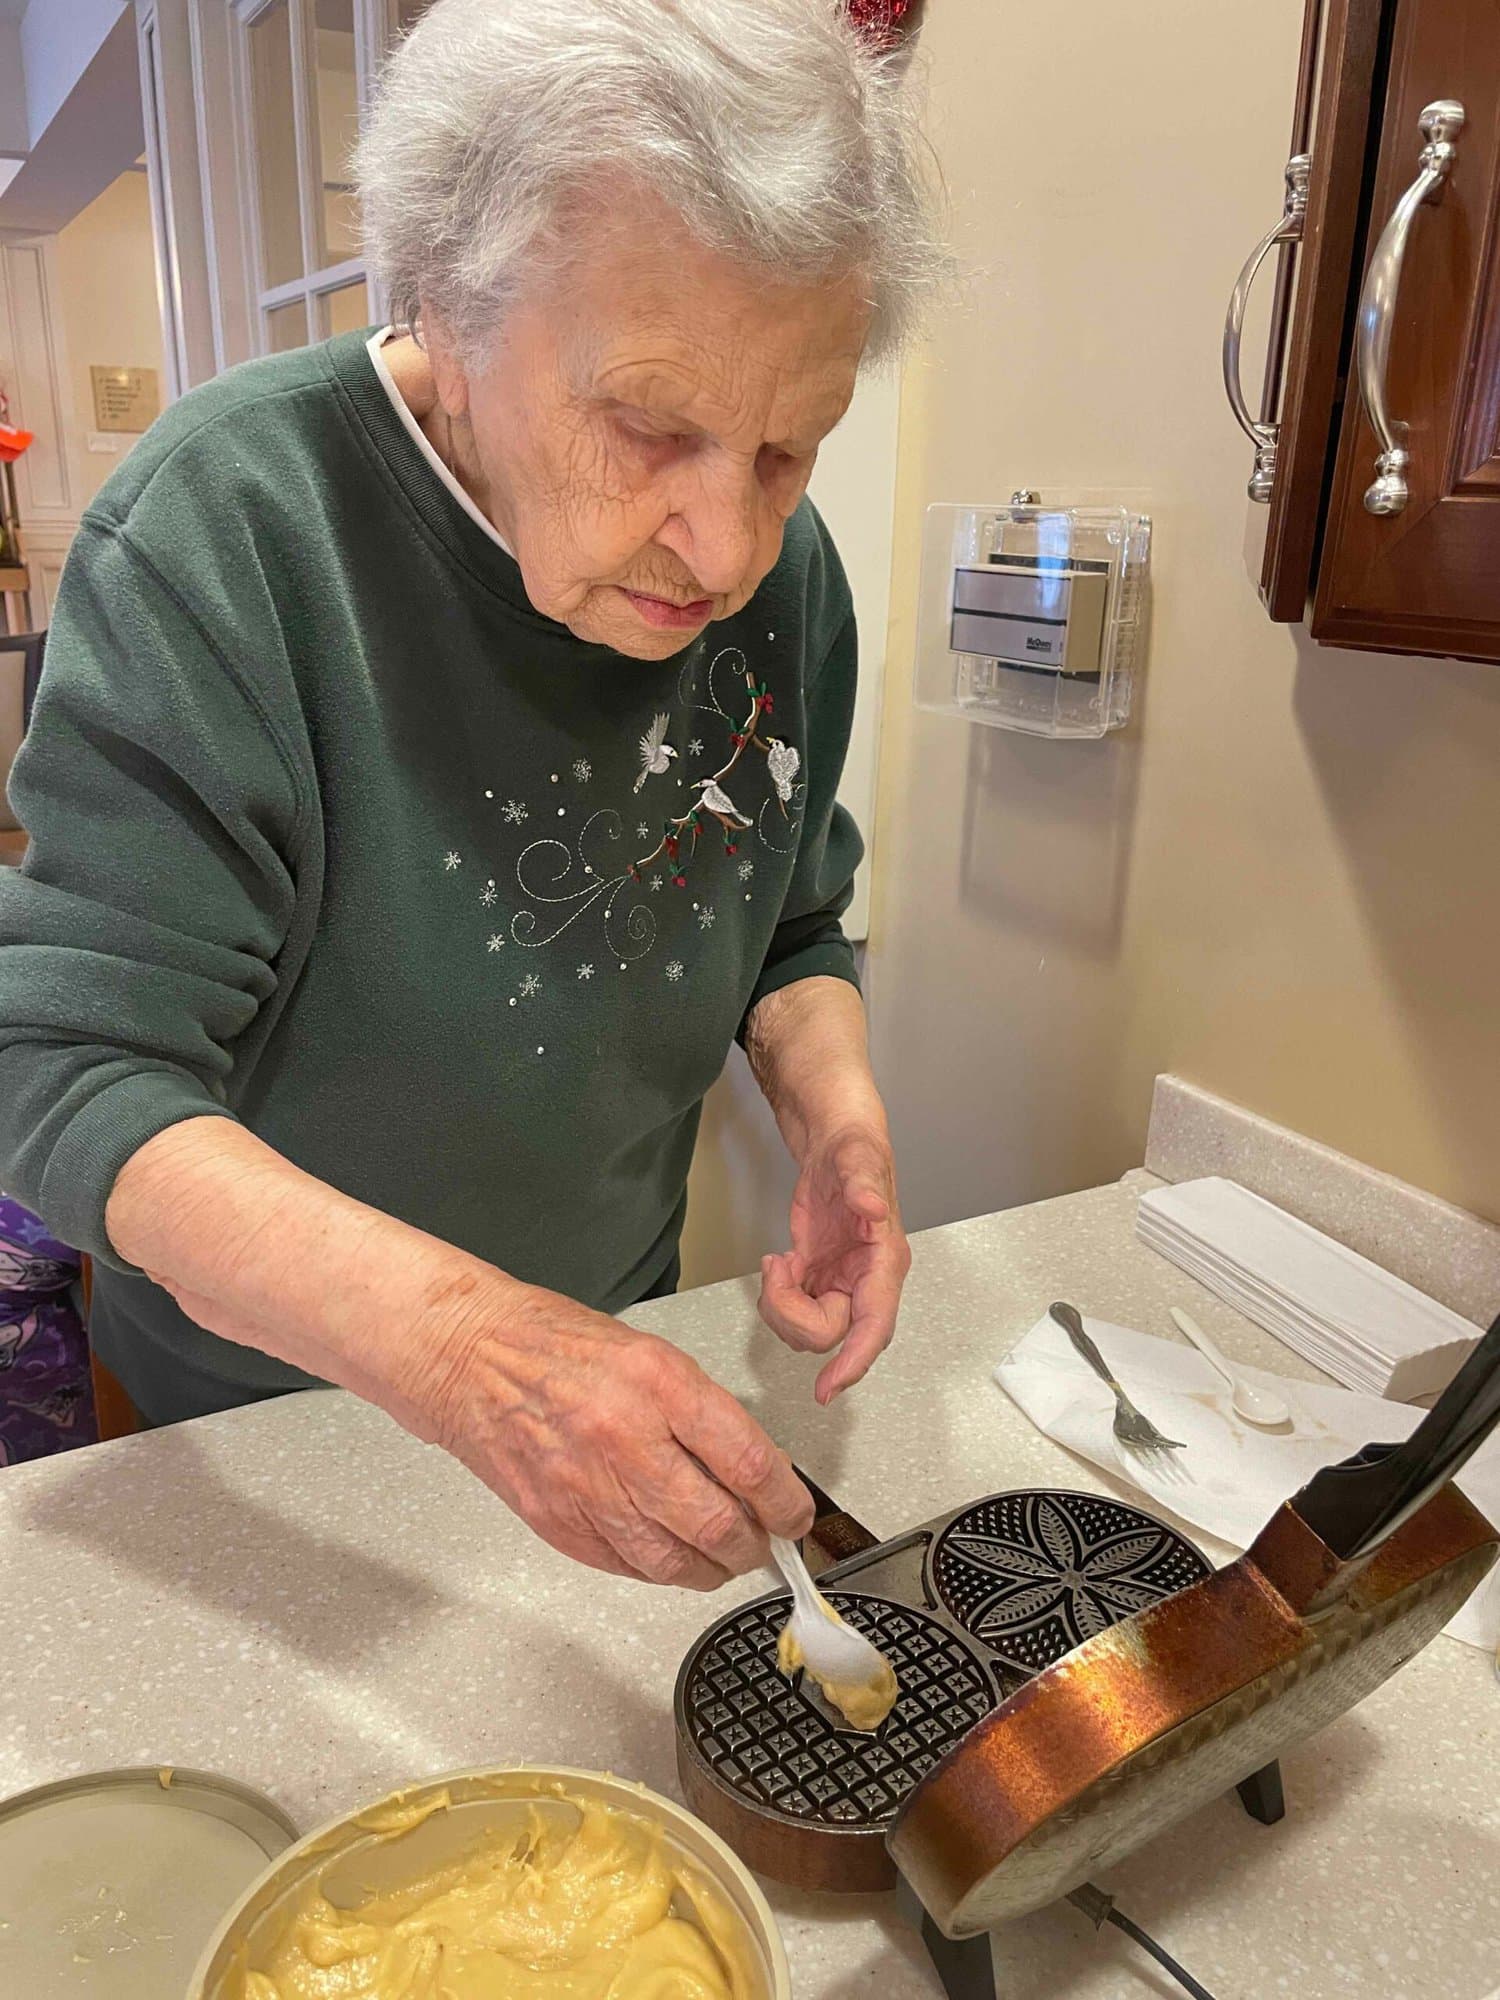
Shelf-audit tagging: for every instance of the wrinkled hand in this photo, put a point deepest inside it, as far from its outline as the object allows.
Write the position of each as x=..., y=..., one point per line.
x=614, y=1446
x=839, y=1286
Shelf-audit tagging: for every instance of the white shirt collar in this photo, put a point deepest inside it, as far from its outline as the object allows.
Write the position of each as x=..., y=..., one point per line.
x=423, y=443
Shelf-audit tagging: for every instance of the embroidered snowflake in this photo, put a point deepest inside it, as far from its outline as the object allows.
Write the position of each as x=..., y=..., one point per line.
x=746, y=870
x=695, y=748
x=583, y=770
x=706, y=917
x=674, y=970
x=530, y=984
x=495, y=943
x=487, y=895
x=643, y=832
x=655, y=883
x=514, y=811
x=585, y=972
x=452, y=860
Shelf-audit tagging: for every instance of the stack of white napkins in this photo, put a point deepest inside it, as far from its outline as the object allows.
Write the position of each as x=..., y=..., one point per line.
x=1230, y=1478
x=1357, y=1323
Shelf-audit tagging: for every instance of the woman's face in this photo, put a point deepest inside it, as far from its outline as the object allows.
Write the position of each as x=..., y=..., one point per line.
x=646, y=428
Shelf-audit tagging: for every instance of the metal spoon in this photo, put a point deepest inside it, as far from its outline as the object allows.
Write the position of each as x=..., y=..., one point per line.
x=1256, y=1406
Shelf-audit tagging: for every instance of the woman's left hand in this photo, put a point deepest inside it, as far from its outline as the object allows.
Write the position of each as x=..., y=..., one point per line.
x=839, y=1286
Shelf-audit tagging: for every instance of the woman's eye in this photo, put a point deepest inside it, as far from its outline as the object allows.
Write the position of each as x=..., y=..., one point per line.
x=644, y=433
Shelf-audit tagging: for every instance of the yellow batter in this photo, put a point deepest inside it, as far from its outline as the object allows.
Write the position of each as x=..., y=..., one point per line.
x=556, y=1911
x=863, y=1704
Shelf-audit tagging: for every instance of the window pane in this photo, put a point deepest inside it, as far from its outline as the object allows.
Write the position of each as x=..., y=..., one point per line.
x=274, y=139
x=346, y=310
x=338, y=127
x=286, y=327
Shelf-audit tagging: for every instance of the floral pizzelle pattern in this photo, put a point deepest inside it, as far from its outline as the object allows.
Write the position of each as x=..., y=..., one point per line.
x=1039, y=1576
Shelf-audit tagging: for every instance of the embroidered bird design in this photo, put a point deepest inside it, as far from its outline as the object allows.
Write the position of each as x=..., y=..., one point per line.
x=783, y=762
x=656, y=752
x=717, y=801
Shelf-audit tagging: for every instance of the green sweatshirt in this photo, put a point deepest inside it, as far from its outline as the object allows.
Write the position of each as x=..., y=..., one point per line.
x=332, y=833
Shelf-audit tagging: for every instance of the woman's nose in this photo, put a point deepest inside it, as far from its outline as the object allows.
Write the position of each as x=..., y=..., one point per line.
x=716, y=529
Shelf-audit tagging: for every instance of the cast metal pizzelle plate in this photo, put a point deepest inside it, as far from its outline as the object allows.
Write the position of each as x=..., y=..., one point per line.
x=1034, y=1574
x=763, y=1738
x=766, y=1763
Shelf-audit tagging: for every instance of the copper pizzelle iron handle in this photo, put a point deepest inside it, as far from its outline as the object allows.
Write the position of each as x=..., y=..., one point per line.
x=835, y=1535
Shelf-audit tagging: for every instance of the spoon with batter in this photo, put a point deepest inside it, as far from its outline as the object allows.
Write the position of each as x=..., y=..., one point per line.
x=854, y=1675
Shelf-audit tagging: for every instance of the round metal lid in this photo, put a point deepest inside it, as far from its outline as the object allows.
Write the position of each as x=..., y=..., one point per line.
x=1033, y=1574
x=112, y=1883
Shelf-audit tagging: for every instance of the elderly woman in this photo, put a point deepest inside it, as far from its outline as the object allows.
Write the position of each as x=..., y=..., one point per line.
x=435, y=770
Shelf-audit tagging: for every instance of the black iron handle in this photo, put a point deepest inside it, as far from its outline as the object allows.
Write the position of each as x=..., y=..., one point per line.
x=835, y=1534
x=1353, y=1507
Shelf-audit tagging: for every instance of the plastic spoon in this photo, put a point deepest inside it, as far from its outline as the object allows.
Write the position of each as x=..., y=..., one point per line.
x=1256, y=1406
x=833, y=1650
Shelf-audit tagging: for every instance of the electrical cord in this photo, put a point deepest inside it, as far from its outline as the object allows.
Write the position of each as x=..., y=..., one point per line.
x=1163, y=1958
x=1099, y=1906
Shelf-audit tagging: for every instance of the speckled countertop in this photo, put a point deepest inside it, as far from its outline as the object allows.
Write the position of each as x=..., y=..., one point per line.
x=301, y=1596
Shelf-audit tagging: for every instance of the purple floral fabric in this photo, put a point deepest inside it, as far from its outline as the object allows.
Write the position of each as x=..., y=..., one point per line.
x=46, y=1391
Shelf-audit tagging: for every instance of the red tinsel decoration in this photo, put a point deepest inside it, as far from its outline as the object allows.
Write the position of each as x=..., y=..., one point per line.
x=884, y=22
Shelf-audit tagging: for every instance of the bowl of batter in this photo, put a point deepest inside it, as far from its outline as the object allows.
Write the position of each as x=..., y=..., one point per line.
x=520, y=1884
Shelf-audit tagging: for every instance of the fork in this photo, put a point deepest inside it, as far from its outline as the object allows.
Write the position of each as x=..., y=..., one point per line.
x=1134, y=1431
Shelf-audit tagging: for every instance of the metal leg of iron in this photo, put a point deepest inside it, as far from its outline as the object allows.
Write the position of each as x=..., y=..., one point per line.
x=1261, y=1795
x=963, y=1964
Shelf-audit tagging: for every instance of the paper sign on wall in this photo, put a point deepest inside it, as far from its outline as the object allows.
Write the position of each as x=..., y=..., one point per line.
x=125, y=399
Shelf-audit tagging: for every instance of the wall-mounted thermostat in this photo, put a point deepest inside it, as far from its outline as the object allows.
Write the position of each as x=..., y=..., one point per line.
x=1030, y=614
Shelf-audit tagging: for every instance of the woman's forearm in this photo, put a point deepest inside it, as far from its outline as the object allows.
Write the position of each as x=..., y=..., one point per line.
x=809, y=1052
x=839, y=1285
x=617, y=1448
x=256, y=1250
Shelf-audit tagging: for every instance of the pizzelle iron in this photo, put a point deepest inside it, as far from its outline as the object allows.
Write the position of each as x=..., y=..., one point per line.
x=1075, y=1679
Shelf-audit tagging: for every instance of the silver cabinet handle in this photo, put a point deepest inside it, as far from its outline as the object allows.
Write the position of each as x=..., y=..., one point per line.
x=1440, y=124
x=1287, y=229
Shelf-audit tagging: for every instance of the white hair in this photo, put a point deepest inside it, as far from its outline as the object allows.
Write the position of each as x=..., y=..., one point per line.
x=781, y=138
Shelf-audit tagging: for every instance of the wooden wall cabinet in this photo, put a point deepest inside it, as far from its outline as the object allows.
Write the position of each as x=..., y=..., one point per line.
x=1378, y=436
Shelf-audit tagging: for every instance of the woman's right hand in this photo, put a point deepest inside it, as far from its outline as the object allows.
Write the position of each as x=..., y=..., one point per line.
x=612, y=1444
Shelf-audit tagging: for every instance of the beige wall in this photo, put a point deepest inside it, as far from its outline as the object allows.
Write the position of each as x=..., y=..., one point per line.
x=106, y=278
x=740, y=1189
x=1284, y=880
